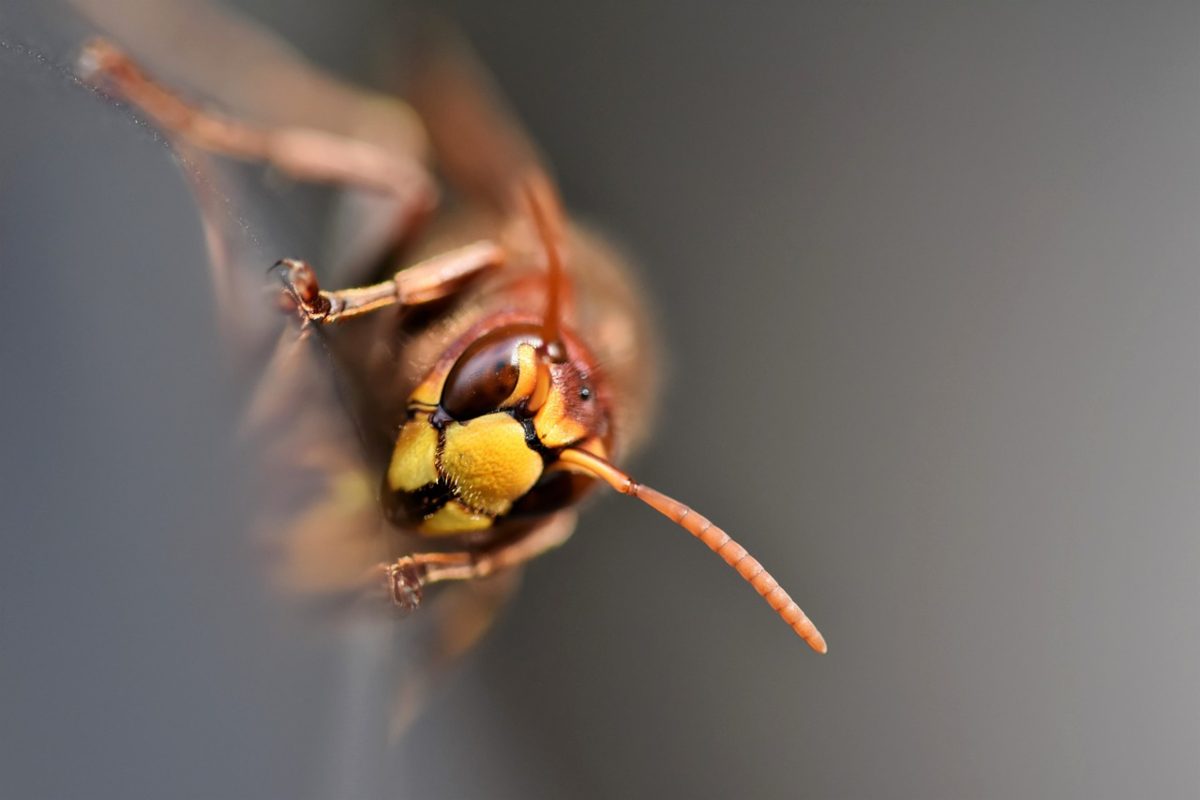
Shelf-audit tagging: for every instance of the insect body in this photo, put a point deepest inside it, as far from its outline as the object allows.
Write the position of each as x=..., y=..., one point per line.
x=497, y=380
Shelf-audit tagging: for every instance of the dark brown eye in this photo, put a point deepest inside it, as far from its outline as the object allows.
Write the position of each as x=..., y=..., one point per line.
x=486, y=373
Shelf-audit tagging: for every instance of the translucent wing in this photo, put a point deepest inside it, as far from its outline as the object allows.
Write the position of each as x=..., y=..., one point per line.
x=479, y=145
x=308, y=429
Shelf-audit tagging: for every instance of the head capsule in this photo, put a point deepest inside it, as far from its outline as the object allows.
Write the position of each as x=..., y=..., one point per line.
x=486, y=426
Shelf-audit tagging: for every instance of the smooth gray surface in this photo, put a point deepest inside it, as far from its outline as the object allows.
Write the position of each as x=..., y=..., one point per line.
x=929, y=277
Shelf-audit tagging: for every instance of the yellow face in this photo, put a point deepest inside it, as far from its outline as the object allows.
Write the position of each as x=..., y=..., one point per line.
x=484, y=430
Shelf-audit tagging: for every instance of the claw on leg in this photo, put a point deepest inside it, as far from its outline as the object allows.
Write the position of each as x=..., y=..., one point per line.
x=432, y=279
x=301, y=290
x=404, y=579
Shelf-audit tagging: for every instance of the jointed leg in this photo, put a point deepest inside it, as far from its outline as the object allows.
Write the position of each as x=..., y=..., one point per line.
x=432, y=279
x=304, y=153
x=407, y=576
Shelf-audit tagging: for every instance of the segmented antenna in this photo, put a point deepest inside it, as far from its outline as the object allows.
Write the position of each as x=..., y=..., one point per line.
x=703, y=529
x=547, y=219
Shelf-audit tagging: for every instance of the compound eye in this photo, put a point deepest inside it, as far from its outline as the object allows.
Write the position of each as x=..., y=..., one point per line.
x=487, y=372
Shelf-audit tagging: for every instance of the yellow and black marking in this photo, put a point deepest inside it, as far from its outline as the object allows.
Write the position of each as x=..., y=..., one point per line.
x=484, y=433
x=453, y=477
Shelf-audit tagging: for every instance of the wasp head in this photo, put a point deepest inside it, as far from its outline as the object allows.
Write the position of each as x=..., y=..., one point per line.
x=485, y=429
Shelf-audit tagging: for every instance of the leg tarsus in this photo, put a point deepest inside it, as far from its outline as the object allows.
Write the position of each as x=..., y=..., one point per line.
x=406, y=577
x=432, y=279
x=301, y=290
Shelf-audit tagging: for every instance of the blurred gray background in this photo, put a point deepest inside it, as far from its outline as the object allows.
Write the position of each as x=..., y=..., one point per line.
x=928, y=274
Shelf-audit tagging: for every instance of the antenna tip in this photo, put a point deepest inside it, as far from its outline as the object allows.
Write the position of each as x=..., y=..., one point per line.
x=814, y=639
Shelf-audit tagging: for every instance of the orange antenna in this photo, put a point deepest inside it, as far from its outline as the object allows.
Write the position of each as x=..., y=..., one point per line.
x=547, y=218
x=703, y=529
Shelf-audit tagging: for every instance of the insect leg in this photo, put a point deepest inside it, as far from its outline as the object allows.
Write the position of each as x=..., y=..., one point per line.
x=432, y=279
x=303, y=153
x=407, y=576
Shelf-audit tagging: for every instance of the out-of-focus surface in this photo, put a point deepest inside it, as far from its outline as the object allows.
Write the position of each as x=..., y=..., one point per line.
x=929, y=275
